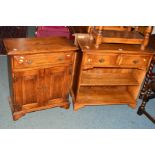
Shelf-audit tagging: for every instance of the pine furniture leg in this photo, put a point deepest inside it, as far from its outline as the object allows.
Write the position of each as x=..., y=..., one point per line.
x=77, y=106
x=132, y=105
x=99, y=37
x=66, y=106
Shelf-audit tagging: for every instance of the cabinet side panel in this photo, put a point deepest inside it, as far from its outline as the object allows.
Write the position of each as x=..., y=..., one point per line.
x=76, y=72
x=139, y=76
x=9, y=61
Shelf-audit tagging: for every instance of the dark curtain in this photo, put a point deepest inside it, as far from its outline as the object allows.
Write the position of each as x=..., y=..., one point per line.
x=11, y=32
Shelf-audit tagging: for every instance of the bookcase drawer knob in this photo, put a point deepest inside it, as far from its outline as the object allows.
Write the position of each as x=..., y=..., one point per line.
x=61, y=58
x=101, y=60
x=135, y=61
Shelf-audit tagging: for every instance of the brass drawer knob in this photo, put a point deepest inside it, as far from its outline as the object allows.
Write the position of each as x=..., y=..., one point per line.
x=135, y=61
x=19, y=59
x=101, y=60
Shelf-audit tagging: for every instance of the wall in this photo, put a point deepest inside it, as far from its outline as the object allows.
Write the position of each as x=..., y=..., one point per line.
x=153, y=32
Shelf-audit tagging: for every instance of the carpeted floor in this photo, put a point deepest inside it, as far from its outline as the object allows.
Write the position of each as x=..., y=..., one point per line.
x=90, y=117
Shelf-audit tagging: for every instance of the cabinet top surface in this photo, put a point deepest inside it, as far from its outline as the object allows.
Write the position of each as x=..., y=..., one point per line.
x=38, y=45
x=87, y=44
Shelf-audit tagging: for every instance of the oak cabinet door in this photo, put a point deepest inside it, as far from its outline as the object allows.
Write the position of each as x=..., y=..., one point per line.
x=57, y=81
x=28, y=88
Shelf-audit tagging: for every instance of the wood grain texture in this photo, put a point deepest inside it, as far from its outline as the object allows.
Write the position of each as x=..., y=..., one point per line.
x=29, y=60
x=109, y=74
x=41, y=72
x=102, y=96
x=100, y=78
x=17, y=46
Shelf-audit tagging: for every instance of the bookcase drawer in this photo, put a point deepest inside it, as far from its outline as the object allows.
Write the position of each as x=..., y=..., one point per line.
x=136, y=61
x=100, y=60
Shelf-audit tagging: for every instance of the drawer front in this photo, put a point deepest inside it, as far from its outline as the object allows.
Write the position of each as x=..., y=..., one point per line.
x=26, y=61
x=140, y=61
x=100, y=60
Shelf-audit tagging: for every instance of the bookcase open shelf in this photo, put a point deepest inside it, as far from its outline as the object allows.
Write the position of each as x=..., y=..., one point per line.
x=98, y=95
x=108, y=74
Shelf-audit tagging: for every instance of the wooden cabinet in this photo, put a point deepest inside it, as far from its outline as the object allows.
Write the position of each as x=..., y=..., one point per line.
x=108, y=74
x=40, y=73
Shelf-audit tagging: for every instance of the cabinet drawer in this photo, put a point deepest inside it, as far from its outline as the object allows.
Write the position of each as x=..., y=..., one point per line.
x=22, y=61
x=140, y=61
x=100, y=60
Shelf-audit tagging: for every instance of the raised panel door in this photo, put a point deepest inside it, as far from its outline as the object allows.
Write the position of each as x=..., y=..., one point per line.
x=57, y=81
x=28, y=88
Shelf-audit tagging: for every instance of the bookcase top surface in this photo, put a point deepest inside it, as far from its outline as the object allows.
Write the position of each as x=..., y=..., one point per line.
x=87, y=44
